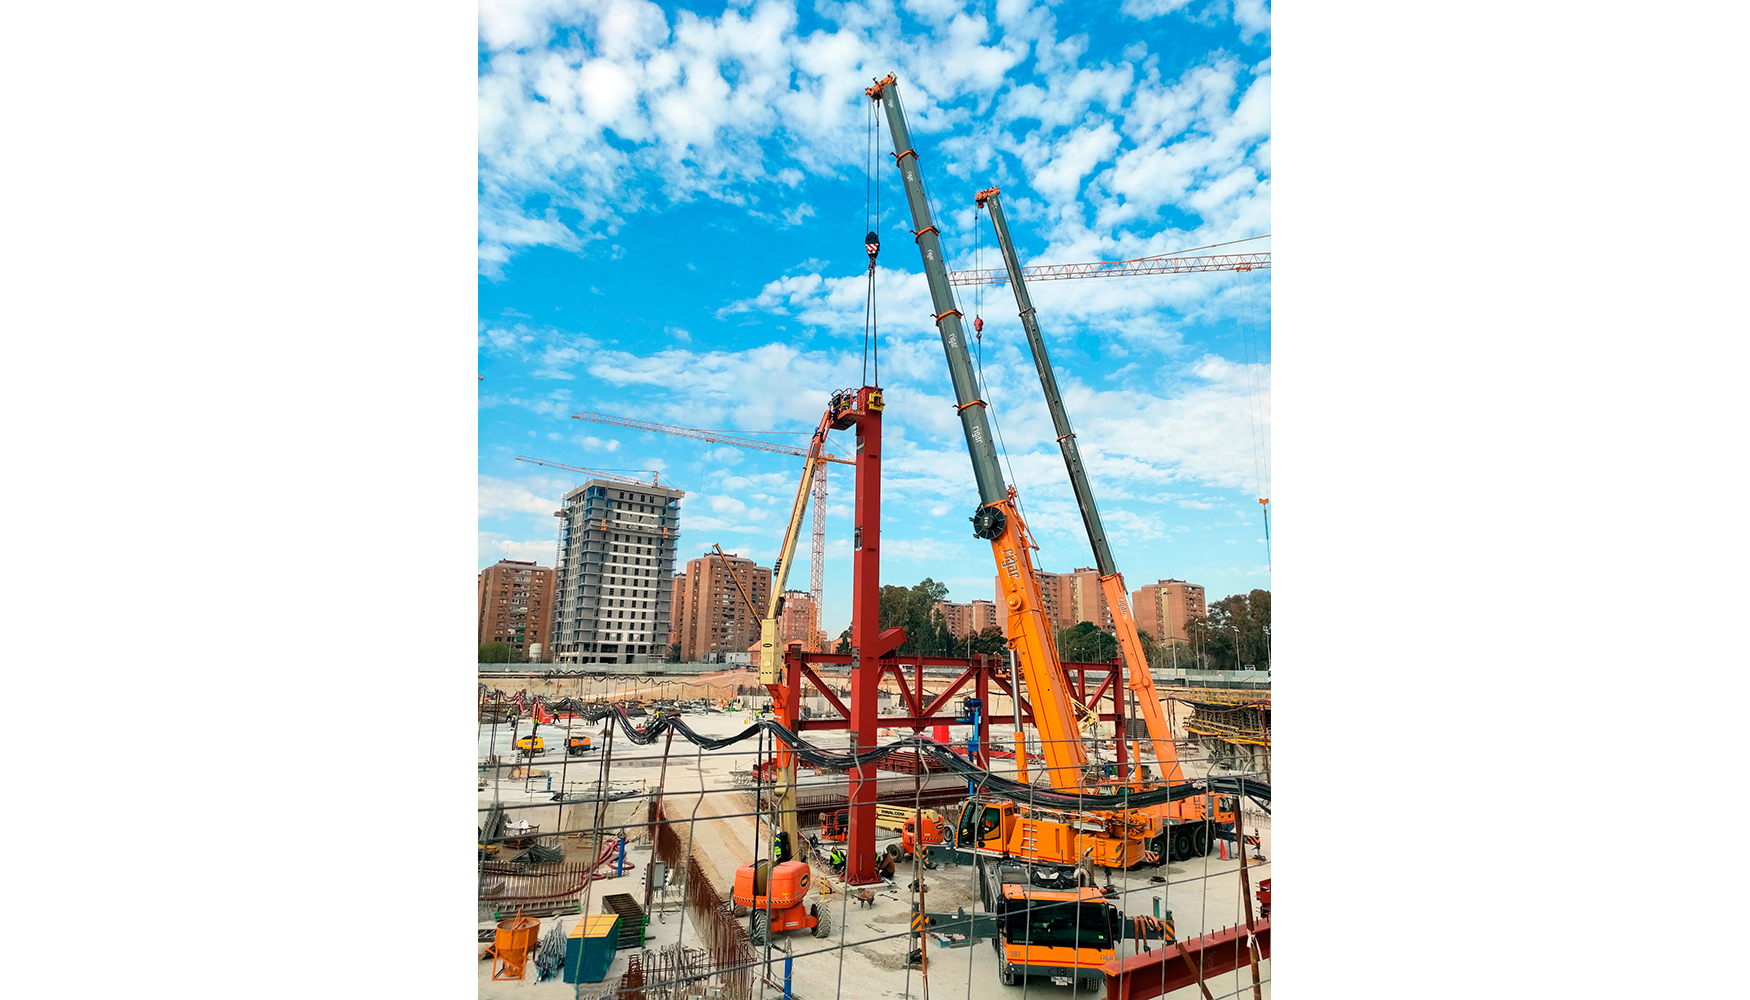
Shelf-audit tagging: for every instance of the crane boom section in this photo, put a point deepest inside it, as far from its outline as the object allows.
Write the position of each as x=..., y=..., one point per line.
x=1066, y=439
x=999, y=519
x=1140, y=679
x=973, y=420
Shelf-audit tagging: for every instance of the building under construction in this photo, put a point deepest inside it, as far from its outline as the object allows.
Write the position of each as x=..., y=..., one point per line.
x=616, y=554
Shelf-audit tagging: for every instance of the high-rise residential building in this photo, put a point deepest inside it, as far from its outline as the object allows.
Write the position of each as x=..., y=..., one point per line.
x=955, y=615
x=1054, y=598
x=981, y=615
x=515, y=604
x=714, y=616
x=1163, y=609
x=616, y=557
x=1087, y=600
x=676, y=602
x=796, y=619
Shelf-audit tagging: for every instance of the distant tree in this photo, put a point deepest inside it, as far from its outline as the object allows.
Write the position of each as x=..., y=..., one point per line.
x=674, y=652
x=844, y=646
x=1083, y=642
x=499, y=652
x=989, y=641
x=1237, y=632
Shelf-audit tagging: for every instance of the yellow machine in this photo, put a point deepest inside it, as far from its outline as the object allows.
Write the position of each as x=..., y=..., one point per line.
x=530, y=746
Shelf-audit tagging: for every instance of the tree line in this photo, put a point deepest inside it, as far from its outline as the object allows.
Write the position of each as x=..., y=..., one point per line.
x=1235, y=633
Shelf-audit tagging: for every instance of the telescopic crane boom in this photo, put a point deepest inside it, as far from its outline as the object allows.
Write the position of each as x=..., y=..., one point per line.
x=997, y=519
x=1139, y=678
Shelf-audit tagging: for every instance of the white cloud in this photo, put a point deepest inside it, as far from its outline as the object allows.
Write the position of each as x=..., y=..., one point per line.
x=1143, y=10
x=498, y=497
x=1253, y=17
x=493, y=547
x=729, y=504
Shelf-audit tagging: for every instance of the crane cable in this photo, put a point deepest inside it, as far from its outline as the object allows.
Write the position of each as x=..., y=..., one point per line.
x=1254, y=410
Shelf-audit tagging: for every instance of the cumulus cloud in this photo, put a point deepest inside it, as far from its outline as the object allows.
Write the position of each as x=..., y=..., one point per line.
x=493, y=547
x=499, y=497
x=593, y=112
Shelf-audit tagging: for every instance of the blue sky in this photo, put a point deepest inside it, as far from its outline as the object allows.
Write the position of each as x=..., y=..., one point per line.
x=672, y=206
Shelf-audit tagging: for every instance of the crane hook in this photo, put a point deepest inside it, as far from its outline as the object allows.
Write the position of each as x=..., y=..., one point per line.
x=978, y=324
x=872, y=243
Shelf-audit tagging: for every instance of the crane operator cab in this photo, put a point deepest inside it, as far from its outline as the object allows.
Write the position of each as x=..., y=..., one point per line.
x=982, y=825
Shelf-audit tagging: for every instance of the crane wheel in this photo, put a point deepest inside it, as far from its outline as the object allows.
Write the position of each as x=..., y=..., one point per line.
x=1182, y=844
x=756, y=933
x=1201, y=840
x=823, y=921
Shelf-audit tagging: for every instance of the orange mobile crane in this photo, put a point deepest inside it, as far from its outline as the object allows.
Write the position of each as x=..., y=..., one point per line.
x=1177, y=830
x=1005, y=828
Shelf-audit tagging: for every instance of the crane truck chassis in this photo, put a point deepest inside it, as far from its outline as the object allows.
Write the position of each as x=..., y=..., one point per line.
x=1041, y=922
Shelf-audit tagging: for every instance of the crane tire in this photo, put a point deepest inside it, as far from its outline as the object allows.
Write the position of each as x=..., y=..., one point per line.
x=1182, y=845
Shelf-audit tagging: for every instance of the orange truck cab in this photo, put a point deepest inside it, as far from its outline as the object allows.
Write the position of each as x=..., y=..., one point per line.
x=908, y=836
x=1067, y=935
x=773, y=897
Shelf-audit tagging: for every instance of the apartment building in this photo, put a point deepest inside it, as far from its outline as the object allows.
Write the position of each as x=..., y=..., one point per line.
x=981, y=615
x=514, y=603
x=1054, y=598
x=712, y=615
x=1163, y=608
x=956, y=616
x=616, y=558
x=797, y=623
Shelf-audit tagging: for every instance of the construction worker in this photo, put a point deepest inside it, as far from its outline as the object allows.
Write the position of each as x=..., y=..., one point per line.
x=781, y=847
x=836, y=859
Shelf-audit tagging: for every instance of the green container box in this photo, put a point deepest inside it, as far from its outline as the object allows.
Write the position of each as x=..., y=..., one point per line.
x=589, y=950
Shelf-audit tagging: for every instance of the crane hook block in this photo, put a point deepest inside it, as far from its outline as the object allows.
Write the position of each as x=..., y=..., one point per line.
x=988, y=523
x=872, y=243
x=978, y=324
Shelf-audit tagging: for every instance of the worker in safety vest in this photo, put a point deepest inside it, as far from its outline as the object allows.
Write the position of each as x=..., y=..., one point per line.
x=837, y=858
x=781, y=847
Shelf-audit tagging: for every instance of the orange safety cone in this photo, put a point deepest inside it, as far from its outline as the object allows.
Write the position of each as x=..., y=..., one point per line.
x=1224, y=850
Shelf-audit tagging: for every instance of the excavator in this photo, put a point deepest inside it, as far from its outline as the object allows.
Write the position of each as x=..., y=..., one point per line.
x=1177, y=830
x=773, y=891
x=1006, y=828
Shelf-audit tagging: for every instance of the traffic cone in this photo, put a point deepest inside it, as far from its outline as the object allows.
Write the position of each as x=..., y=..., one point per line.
x=1224, y=849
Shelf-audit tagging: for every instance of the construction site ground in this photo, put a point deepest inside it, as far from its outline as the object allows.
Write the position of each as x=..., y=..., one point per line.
x=1203, y=894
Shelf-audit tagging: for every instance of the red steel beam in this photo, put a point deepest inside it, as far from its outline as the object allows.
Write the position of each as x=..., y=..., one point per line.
x=831, y=698
x=866, y=636
x=1162, y=971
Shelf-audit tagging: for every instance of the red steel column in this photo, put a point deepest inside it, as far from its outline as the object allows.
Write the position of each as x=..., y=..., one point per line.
x=865, y=627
